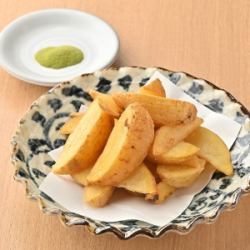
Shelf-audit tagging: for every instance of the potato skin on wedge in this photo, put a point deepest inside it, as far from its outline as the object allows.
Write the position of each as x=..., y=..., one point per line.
x=97, y=196
x=86, y=142
x=163, y=111
x=126, y=148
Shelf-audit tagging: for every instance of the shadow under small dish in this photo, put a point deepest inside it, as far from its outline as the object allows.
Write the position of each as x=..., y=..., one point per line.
x=38, y=133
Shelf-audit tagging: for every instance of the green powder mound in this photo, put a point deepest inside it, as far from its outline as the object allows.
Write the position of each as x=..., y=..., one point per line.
x=59, y=57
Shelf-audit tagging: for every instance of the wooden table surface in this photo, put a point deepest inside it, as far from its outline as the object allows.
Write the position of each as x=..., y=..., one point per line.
x=209, y=39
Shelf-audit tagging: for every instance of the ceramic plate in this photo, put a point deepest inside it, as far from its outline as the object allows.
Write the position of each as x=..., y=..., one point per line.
x=22, y=38
x=38, y=133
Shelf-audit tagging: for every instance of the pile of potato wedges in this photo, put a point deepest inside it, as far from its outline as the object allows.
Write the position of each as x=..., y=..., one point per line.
x=143, y=142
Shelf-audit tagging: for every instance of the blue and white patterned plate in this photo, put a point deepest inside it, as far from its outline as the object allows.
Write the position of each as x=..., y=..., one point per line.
x=38, y=133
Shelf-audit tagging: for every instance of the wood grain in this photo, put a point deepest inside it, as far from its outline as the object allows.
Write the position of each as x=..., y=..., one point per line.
x=209, y=39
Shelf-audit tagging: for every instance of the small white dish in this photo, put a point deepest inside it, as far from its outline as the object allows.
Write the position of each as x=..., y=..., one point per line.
x=22, y=38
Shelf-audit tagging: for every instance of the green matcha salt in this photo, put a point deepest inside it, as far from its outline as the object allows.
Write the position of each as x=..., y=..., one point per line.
x=59, y=57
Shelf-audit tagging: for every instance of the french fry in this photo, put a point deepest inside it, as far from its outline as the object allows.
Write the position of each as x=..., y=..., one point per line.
x=181, y=152
x=152, y=168
x=163, y=111
x=107, y=103
x=126, y=148
x=81, y=177
x=167, y=137
x=212, y=149
x=97, y=196
x=71, y=124
x=153, y=88
x=162, y=193
x=182, y=175
x=86, y=142
x=140, y=181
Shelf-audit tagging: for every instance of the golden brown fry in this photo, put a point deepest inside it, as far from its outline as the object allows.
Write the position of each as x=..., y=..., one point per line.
x=152, y=168
x=126, y=148
x=167, y=137
x=212, y=149
x=86, y=142
x=74, y=114
x=163, y=111
x=179, y=153
x=71, y=124
x=182, y=175
x=81, y=177
x=195, y=161
x=153, y=88
x=107, y=103
x=97, y=196
x=140, y=181
x=163, y=192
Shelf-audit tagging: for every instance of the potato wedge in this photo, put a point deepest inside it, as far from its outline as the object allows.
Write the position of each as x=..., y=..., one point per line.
x=74, y=114
x=97, y=196
x=126, y=148
x=163, y=111
x=163, y=192
x=167, y=137
x=140, y=181
x=183, y=151
x=107, y=103
x=81, y=177
x=212, y=149
x=152, y=168
x=86, y=142
x=71, y=124
x=182, y=175
x=195, y=161
x=153, y=88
